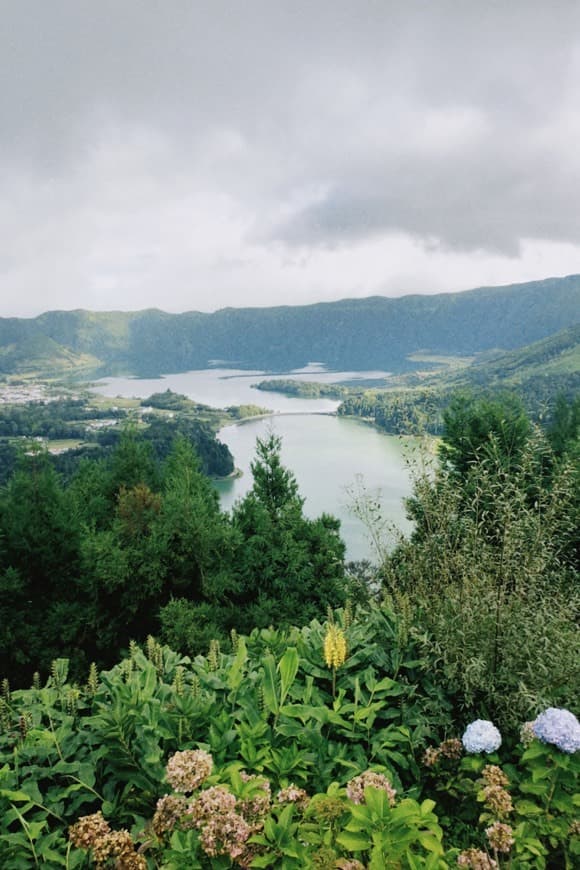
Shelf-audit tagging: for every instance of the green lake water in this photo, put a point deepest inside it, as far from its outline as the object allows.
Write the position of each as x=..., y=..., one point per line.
x=331, y=456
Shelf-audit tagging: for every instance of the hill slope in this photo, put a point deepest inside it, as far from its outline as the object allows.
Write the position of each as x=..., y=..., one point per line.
x=359, y=334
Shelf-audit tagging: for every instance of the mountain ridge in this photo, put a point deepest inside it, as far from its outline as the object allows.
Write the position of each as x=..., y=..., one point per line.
x=369, y=333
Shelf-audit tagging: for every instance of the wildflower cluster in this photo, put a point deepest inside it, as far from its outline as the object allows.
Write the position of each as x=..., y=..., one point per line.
x=558, y=727
x=481, y=736
x=355, y=789
x=187, y=770
x=335, y=649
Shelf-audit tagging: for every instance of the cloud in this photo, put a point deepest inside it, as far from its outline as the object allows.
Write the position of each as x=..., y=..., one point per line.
x=191, y=155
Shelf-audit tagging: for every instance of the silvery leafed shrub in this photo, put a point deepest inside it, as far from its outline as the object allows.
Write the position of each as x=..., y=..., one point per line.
x=481, y=736
x=559, y=727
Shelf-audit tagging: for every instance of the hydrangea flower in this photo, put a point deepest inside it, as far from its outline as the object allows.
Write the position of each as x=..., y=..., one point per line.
x=481, y=736
x=186, y=770
x=559, y=727
x=355, y=789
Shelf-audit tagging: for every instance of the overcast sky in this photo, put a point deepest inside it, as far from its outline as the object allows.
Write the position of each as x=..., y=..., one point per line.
x=196, y=154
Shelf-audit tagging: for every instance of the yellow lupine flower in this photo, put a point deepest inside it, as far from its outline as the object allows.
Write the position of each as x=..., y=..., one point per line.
x=334, y=647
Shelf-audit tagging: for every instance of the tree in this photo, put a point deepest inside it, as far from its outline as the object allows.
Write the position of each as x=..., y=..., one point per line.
x=564, y=428
x=290, y=568
x=39, y=567
x=470, y=424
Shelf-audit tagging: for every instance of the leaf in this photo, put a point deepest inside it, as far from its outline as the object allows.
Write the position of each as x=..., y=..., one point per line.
x=353, y=842
x=270, y=684
x=430, y=842
x=17, y=796
x=528, y=808
x=288, y=668
x=536, y=750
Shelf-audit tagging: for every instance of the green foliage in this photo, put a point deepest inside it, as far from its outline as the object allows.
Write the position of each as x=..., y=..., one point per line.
x=490, y=570
x=303, y=389
x=473, y=427
x=297, y=778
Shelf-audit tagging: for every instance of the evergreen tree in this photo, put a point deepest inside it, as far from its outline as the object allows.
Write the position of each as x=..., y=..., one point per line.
x=290, y=568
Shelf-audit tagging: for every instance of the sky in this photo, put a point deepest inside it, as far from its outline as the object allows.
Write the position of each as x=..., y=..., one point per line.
x=199, y=154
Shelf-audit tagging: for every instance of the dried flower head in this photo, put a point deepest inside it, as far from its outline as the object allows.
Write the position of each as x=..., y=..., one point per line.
x=355, y=789
x=527, y=735
x=476, y=860
x=451, y=748
x=349, y=864
x=494, y=775
x=293, y=795
x=498, y=800
x=168, y=812
x=334, y=647
x=225, y=834
x=211, y=802
x=187, y=770
x=500, y=837
x=431, y=756
x=574, y=829
x=117, y=845
x=87, y=830
x=481, y=736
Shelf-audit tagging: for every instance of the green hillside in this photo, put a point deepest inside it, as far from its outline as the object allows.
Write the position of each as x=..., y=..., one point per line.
x=358, y=334
x=538, y=373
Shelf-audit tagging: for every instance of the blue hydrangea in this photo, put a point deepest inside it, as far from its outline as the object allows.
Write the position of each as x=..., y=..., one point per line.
x=481, y=736
x=559, y=727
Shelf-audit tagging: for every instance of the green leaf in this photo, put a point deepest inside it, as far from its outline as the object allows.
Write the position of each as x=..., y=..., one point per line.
x=536, y=750
x=528, y=808
x=288, y=668
x=353, y=842
x=270, y=684
x=430, y=842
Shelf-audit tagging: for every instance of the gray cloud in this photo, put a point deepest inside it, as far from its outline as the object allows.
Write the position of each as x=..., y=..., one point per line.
x=192, y=154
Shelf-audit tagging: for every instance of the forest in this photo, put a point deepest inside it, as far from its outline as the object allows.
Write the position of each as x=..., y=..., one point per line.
x=184, y=687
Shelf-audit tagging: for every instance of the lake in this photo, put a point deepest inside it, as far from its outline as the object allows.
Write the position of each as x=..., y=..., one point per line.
x=329, y=455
